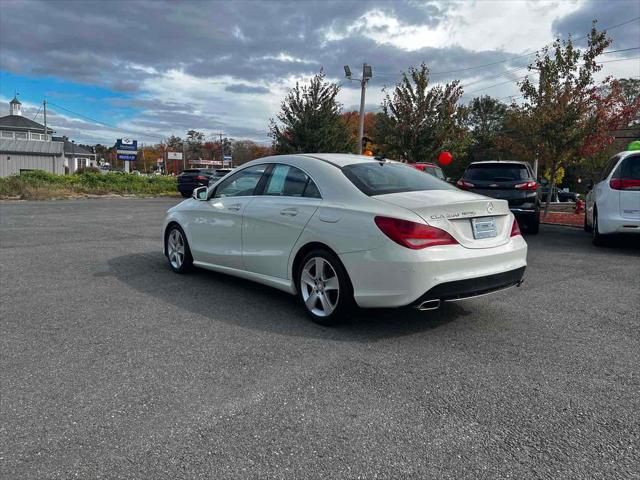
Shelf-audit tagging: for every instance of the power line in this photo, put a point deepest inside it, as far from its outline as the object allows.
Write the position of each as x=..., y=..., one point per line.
x=529, y=54
x=618, y=60
x=37, y=113
x=526, y=54
x=533, y=73
x=112, y=127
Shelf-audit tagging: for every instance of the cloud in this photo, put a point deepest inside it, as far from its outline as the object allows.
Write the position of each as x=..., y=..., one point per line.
x=608, y=14
x=225, y=66
x=243, y=88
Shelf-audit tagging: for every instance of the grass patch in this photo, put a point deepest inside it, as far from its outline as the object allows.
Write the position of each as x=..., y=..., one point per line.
x=40, y=185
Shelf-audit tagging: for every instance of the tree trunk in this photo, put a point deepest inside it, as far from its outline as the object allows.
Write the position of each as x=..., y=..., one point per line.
x=552, y=185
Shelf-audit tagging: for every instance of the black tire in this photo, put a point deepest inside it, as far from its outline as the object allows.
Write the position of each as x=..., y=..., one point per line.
x=319, y=285
x=596, y=237
x=179, y=263
x=587, y=228
x=533, y=226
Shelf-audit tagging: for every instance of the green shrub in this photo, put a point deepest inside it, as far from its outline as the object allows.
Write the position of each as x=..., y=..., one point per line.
x=37, y=183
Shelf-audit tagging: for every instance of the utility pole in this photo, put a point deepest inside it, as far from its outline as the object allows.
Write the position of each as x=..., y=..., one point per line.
x=367, y=73
x=221, y=152
x=184, y=156
x=44, y=104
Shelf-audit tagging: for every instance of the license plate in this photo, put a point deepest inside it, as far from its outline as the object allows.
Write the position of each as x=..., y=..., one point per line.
x=484, y=227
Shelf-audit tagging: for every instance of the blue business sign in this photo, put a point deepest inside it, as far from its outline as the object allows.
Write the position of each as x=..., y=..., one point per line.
x=127, y=149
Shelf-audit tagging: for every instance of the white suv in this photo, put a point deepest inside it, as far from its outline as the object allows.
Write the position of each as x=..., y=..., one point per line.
x=613, y=204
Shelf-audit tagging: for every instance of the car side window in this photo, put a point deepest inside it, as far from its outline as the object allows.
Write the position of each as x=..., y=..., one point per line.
x=288, y=181
x=242, y=183
x=610, y=166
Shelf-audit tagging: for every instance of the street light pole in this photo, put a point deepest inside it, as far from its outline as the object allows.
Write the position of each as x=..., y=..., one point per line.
x=367, y=73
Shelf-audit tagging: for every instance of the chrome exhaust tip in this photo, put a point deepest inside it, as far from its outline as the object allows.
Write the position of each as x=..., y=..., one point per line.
x=429, y=305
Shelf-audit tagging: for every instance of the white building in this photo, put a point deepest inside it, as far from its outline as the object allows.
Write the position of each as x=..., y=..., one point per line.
x=25, y=145
x=76, y=156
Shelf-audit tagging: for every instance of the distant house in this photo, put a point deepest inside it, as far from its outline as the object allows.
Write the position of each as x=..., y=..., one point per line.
x=75, y=156
x=25, y=145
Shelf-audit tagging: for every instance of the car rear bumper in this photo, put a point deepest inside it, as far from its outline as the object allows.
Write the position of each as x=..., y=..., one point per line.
x=393, y=276
x=473, y=287
x=524, y=211
x=617, y=224
x=190, y=187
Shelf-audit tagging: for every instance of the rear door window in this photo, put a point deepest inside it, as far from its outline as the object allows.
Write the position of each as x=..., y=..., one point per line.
x=380, y=178
x=289, y=181
x=497, y=172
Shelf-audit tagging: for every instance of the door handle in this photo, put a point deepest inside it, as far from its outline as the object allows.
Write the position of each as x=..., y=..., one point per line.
x=291, y=212
x=235, y=207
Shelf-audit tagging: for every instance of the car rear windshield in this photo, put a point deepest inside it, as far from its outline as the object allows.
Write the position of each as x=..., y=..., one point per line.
x=630, y=168
x=497, y=172
x=380, y=178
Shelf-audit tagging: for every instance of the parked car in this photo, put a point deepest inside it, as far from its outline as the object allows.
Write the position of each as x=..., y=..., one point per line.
x=338, y=230
x=558, y=195
x=218, y=174
x=192, y=178
x=506, y=180
x=613, y=203
x=430, y=168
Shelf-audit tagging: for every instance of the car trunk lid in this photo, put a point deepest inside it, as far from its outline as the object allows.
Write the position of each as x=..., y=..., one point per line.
x=453, y=211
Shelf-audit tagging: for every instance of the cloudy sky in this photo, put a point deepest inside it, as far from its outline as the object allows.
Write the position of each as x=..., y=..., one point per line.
x=148, y=69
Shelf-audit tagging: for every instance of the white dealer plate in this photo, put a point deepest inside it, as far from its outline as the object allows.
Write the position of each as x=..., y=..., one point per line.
x=484, y=227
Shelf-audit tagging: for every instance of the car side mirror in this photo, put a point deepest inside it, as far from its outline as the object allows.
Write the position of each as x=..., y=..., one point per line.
x=200, y=193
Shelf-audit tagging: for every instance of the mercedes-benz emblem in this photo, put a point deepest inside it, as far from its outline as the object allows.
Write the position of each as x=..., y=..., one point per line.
x=490, y=207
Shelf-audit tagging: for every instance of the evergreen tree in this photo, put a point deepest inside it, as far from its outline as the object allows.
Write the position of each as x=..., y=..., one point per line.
x=310, y=120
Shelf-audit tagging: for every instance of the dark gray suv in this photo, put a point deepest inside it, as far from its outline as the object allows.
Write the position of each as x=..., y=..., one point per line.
x=507, y=180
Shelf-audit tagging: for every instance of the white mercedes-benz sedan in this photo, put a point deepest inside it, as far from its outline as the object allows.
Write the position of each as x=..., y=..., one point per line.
x=339, y=230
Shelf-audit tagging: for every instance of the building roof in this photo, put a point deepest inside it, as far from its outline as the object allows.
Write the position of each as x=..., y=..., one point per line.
x=12, y=122
x=70, y=149
x=15, y=100
x=30, y=147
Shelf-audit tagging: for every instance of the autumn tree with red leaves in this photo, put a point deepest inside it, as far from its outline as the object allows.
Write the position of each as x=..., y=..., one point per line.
x=566, y=115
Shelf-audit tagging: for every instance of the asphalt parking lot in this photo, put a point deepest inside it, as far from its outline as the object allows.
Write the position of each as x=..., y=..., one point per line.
x=114, y=367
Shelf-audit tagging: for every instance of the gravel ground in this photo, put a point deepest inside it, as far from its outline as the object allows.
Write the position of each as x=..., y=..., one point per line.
x=114, y=367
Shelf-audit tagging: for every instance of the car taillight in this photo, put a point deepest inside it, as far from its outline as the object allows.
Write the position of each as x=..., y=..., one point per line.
x=515, y=229
x=624, y=183
x=201, y=178
x=526, y=186
x=464, y=184
x=413, y=235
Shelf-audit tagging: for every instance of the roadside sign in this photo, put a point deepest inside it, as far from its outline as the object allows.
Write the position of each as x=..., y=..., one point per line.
x=127, y=149
x=126, y=145
x=174, y=155
x=227, y=159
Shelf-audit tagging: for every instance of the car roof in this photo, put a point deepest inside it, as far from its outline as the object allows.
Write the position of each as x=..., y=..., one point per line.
x=428, y=164
x=340, y=159
x=627, y=153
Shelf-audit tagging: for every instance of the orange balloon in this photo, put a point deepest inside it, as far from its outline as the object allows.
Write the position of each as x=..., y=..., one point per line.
x=368, y=153
x=445, y=158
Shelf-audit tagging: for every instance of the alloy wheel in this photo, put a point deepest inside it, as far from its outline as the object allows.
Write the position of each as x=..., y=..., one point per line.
x=320, y=287
x=175, y=248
